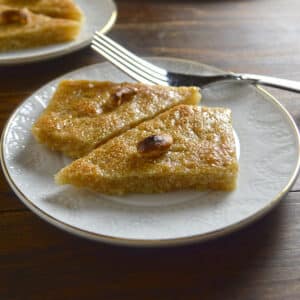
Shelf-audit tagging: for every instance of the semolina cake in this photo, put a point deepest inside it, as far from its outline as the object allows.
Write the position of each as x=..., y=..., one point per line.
x=84, y=114
x=186, y=147
x=20, y=28
x=63, y=9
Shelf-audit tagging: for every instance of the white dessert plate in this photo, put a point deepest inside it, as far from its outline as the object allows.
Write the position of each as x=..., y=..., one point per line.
x=99, y=15
x=269, y=164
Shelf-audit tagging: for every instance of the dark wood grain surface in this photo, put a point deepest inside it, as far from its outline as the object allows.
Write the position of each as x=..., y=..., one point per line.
x=262, y=261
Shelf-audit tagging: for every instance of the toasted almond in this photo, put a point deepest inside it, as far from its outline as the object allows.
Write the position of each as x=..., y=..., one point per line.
x=15, y=16
x=124, y=94
x=154, y=145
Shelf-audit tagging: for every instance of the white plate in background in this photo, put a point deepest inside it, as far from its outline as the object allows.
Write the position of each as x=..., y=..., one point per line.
x=98, y=15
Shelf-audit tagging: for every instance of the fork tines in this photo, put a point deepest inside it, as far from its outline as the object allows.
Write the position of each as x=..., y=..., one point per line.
x=136, y=67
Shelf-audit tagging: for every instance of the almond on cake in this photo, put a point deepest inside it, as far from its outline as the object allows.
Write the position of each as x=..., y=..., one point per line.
x=84, y=114
x=63, y=9
x=20, y=28
x=186, y=147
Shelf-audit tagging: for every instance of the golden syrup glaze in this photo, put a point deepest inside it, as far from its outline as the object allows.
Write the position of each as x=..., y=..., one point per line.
x=202, y=155
x=84, y=114
x=38, y=30
x=65, y=9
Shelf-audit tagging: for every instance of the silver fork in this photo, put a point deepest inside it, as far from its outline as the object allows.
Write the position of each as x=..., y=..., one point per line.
x=148, y=73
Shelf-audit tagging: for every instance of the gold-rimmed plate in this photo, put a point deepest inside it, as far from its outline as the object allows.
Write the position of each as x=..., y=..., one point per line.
x=269, y=164
x=98, y=15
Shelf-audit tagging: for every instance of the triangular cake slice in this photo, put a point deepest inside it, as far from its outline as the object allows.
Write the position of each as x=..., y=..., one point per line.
x=20, y=28
x=64, y=9
x=187, y=147
x=84, y=114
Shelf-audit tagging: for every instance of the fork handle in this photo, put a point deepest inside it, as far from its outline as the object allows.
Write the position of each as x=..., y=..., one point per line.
x=289, y=85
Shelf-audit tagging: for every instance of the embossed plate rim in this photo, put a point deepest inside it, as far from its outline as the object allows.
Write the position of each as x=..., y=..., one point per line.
x=155, y=242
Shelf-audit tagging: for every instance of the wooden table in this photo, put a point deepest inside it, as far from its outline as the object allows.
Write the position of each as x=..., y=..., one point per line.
x=262, y=261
